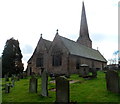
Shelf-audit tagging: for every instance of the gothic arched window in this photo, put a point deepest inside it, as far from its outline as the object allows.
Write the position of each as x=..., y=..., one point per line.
x=39, y=61
x=57, y=60
x=56, y=56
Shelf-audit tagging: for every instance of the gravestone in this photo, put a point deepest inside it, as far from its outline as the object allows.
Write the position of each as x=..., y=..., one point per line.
x=94, y=73
x=44, y=85
x=84, y=70
x=33, y=85
x=62, y=89
x=113, y=81
x=7, y=88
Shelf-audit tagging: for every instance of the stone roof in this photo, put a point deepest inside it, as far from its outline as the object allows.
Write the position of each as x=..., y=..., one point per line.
x=47, y=43
x=80, y=50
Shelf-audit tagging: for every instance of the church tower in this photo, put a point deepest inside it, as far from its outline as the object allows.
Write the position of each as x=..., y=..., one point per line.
x=84, y=38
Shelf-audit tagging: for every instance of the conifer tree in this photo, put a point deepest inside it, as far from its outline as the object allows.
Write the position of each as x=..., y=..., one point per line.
x=12, y=58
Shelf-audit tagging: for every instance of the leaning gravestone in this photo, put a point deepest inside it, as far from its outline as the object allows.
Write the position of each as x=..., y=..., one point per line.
x=62, y=89
x=33, y=85
x=44, y=85
x=113, y=81
x=7, y=88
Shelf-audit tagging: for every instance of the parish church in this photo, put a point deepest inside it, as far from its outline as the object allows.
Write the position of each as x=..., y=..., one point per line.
x=65, y=56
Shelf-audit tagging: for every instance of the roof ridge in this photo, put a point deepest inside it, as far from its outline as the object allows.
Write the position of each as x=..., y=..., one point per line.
x=67, y=38
x=78, y=43
x=75, y=49
x=47, y=40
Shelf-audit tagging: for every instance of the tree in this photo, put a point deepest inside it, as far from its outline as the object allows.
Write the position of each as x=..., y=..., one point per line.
x=11, y=58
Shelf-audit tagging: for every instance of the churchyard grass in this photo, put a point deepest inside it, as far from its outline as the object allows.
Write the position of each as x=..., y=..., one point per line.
x=82, y=91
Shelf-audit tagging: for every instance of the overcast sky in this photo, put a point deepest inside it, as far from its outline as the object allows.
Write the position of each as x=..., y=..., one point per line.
x=25, y=20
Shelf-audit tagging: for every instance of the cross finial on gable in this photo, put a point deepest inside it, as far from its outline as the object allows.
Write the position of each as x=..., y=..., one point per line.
x=57, y=31
x=41, y=35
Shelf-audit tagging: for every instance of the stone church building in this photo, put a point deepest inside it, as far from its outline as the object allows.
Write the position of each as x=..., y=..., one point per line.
x=65, y=56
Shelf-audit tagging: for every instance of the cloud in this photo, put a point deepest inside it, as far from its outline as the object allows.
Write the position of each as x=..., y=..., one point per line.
x=27, y=49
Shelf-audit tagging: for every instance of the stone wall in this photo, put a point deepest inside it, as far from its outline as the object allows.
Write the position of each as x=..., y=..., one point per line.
x=89, y=62
x=58, y=45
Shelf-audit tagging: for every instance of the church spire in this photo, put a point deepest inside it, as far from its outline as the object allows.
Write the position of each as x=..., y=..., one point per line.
x=84, y=33
x=83, y=26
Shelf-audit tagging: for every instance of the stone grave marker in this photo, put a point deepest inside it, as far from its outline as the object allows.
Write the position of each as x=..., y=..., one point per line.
x=84, y=70
x=62, y=89
x=7, y=88
x=94, y=73
x=33, y=85
x=113, y=81
x=44, y=84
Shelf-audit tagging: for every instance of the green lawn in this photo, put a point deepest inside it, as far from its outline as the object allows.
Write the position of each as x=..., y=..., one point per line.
x=83, y=91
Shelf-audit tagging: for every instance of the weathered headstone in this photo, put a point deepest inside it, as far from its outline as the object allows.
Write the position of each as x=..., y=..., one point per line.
x=94, y=73
x=44, y=85
x=84, y=70
x=113, y=81
x=33, y=85
x=7, y=88
x=62, y=90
